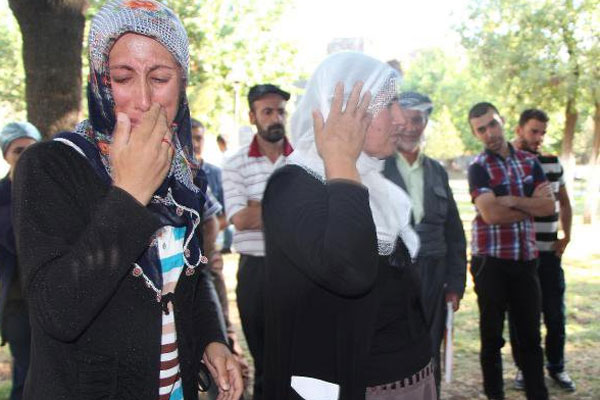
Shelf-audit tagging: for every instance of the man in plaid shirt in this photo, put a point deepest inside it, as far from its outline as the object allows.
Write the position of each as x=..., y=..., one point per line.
x=508, y=188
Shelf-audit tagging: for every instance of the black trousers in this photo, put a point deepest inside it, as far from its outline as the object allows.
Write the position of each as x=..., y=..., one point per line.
x=432, y=272
x=17, y=332
x=552, y=282
x=250, y=301
x=503, y=285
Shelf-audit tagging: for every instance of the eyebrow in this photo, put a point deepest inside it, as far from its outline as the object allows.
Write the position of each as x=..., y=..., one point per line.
x=152, y=69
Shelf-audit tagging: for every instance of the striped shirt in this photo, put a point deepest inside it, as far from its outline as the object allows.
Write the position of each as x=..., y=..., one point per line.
x=170, y=252
x=546, y=228
x=245, y=176
x=517, y=175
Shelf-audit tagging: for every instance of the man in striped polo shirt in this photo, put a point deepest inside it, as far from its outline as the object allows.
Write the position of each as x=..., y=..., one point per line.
x=245, y=175
x=508, y=188
x=530, y=135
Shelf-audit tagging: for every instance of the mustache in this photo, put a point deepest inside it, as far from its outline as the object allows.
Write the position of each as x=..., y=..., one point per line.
x=276, y=128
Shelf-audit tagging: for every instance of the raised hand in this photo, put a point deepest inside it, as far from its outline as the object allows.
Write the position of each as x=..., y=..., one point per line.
x=140, y=158
x=340, y=139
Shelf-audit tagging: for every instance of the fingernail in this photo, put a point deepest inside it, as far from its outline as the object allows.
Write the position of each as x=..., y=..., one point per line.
x=120, y=117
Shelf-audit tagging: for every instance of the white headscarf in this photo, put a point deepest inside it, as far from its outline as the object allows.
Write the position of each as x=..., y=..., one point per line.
x=389, y=204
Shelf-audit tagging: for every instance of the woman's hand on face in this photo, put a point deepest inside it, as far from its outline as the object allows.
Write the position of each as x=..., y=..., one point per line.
x=225, y=370
x=140, y=158
x=340, y=139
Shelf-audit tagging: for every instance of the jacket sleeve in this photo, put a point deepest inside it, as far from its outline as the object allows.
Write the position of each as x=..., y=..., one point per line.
x=73, y=256
x=456, y=256
x=325, y=229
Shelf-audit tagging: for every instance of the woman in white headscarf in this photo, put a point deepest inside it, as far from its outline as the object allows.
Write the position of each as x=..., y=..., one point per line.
x=343, y=314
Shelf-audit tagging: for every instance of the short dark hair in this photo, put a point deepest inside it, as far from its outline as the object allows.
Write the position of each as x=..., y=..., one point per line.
x=258, y=91
x=480, y=109
x=221, y=139
x=197, y=124
x=533, y=113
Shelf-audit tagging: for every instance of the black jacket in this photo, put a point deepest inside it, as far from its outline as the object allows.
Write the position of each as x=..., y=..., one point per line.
x=96, y=328
x=334, y=309
x=441, y=230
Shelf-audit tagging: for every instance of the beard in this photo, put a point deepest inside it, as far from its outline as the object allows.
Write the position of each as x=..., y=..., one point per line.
x=273, y=134
x=410, y=143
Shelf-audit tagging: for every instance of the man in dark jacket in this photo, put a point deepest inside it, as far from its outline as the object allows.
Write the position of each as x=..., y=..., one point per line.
x=442, y=256
x=14, y=139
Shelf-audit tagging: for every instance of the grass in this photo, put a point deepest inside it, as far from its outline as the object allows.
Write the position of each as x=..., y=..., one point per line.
x=582, y=272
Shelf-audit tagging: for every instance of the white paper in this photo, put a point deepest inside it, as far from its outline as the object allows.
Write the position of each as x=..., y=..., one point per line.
x=315, y=389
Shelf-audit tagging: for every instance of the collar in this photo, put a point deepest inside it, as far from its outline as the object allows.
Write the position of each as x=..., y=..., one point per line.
x=254, y=150
x=511, y=151
x=418, y=162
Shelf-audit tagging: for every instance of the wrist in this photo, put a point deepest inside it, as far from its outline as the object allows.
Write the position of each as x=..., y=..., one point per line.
x=341, y=168
x=140, y=195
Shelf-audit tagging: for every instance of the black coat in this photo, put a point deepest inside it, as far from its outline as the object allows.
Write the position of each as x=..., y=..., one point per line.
x=96, y=328
x=440, y=231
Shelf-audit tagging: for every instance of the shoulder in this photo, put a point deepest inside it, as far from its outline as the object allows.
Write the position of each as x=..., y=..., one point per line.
x=292, y=179
x=51, y=153
x=480, y=159
x=211, y=168
x=525, y=156
x=479, y=163
x=433, y=164
x=548, y=159
x=236, y=158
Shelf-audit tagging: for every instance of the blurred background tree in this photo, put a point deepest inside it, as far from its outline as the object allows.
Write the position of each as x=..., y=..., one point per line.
x=52, y=34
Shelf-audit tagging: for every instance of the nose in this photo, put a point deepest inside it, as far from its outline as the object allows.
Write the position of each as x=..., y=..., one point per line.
x=143, y=96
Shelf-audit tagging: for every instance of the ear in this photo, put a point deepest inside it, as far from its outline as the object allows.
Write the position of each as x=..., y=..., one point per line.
x=252, y=117
x=519, y=130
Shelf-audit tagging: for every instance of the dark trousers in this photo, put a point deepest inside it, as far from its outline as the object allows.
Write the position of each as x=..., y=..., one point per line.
x=552, y=282
x=17, y=332
x=432, y=272
x=250, y=301
x=503, y=285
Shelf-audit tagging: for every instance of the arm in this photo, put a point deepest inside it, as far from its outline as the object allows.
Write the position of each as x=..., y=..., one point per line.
x=73, y=257
x=242, y=213
x=456, y=256
x=566, y=219
x=541, y=204
x=491, y=211
x=249, y=217
x=310, y=223
x=494, y=212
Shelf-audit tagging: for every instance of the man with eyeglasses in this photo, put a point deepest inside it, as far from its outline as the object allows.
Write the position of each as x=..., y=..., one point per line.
x=509, y=189
x=245, y=176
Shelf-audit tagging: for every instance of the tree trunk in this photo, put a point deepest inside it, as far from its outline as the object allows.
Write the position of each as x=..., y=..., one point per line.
x=52, y=33
x=567, y=157
x=590, y=211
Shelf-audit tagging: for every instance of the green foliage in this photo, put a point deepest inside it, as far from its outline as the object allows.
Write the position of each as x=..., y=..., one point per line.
x=443, y=140
x=453, y=85
x=12, y=75
x=536, y=53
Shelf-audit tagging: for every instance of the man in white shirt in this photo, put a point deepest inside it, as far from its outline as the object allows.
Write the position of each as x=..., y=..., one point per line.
x=245, y=174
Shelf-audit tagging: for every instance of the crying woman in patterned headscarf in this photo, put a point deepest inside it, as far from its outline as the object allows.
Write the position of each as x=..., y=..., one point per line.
x=121, y=302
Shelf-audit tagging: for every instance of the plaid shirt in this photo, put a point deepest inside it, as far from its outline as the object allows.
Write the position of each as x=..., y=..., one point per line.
x=517, y=175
